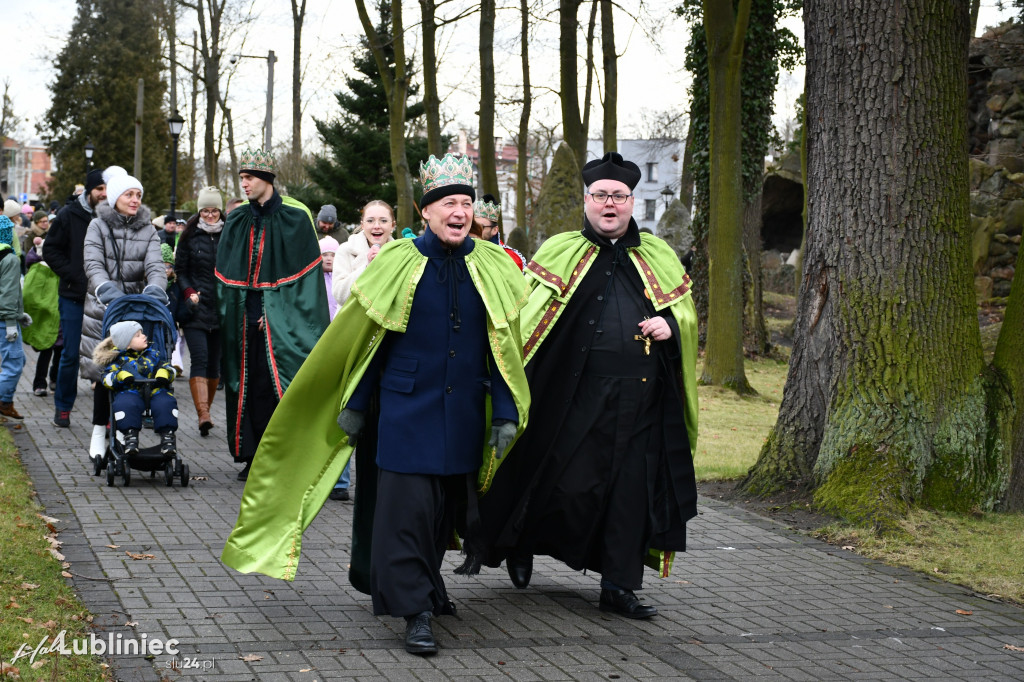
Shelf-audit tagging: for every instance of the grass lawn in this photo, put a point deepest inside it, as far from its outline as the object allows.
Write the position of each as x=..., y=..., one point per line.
x=732, y=427
x=983, y=552
x=35, y=600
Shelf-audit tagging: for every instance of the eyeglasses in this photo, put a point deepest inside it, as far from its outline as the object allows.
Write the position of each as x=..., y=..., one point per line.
x=371, y=221
x=602, y=197
x=209, y=211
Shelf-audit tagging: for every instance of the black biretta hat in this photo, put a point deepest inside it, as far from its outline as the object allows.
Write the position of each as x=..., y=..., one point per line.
x=611, y=166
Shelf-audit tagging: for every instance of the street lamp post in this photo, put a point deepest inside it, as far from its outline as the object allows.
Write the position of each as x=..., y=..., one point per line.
x=175, y=123
x=89, y=150
x=667, y=194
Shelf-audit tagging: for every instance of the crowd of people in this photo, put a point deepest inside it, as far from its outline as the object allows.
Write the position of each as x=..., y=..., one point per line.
x=522, y=408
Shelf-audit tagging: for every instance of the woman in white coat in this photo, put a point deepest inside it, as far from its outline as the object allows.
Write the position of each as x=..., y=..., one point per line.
x=375, y=230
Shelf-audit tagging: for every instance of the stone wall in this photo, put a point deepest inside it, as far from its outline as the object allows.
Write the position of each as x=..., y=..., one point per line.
x=996, y=143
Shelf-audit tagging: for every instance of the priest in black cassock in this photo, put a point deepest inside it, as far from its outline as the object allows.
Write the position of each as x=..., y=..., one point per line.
x=602, y=479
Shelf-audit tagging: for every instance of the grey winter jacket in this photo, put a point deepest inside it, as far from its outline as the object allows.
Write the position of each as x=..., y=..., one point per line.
x=11, y=307
x=125, y=252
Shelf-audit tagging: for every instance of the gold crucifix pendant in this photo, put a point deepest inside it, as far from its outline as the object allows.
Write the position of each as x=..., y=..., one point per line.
x=647, y=342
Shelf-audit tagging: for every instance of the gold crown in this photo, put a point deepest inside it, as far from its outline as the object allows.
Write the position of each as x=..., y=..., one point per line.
x=485, y=209
x=257, y=159
x=450, y=169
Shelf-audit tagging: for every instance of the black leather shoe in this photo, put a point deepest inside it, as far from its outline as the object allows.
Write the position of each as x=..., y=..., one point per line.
x=419, y=637
x=131, y=442
x=243, y=475
x=340, y=494
x=625, y=603
x=520, y=569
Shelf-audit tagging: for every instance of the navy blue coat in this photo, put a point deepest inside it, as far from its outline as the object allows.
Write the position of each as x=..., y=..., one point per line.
x=434, y=377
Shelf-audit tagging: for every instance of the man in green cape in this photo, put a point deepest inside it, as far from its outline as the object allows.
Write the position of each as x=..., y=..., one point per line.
x=424, y=362
x=272, y=301
x=603, y=478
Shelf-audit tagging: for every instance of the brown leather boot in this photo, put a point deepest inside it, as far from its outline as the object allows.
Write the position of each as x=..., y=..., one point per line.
x=202, y=403
x=211, y=393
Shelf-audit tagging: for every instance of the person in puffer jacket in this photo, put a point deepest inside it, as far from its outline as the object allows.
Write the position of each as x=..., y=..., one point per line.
x=126, y=357
x=122, y=256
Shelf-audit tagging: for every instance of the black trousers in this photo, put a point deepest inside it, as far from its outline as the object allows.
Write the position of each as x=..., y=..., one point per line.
x=412, y=524
x=204, y=351
x=260, y=396
x=44, y=363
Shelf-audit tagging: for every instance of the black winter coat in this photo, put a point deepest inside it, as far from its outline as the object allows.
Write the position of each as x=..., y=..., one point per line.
x=194, y=261
x=64, y=246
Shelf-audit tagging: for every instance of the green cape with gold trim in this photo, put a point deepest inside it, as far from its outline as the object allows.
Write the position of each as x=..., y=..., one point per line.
x=303, y=451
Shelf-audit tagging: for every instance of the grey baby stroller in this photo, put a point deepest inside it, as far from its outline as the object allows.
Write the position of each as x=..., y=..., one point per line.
x=158, y=325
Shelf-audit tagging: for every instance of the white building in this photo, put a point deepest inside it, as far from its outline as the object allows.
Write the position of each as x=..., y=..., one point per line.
x=661, y=167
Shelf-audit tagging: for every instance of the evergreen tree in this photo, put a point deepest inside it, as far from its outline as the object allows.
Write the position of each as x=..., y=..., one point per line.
x=357, y=167
x=111, y=45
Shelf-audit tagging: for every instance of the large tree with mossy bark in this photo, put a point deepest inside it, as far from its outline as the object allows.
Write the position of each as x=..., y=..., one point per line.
x=889, y=402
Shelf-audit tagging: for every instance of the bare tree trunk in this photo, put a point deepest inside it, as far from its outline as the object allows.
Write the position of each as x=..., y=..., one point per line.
x=755, y=333
x=726, y=31
x=1009, y=351
x=888, y=401
x=522, y=144
x=298, y=16
x=397, y=87
x=232, y=153
x=611, y=77
x=431, y=101
x=194, y=102
x=572, y=125
x=488, y=168
x=686, y=180
x=589, y=88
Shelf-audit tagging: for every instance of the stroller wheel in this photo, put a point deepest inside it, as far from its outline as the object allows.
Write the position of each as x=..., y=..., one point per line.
x=110, y=473
x=184, y=475
x=127, y=475
x=168, y=474
x=97, y=465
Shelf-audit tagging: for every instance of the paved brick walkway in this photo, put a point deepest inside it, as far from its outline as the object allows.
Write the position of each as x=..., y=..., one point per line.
x=749, y=600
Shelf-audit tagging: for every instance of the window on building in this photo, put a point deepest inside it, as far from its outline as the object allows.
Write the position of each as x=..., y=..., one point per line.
x=650, y=206
x=652, y=171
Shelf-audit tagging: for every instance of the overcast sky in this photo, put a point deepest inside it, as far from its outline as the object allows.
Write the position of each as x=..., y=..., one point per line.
x=651, y=79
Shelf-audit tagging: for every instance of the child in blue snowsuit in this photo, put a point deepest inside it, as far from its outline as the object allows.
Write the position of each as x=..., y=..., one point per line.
x=126, y=356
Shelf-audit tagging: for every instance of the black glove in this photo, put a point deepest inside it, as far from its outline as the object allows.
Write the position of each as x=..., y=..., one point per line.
x=502, y=433
x=124, y=378
x=352, y=423
x=162, y=378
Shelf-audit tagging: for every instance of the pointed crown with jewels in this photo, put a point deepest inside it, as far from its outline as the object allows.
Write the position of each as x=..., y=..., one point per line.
x=451, y=174
x=487, y=207
x=257, y=160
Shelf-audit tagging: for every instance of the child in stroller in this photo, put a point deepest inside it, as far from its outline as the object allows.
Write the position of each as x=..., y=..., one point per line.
x=127, y=358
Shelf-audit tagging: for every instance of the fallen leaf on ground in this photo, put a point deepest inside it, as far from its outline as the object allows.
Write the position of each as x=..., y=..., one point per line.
x=9, y=671
x=12, y=604
x=39, y=664
x=1013, y=648
x=251, y=657
x=965, y=613
x=198, y=478
x=48, y=519
x=137, y=557
x=29, y=586
x=65, y=574
x=849, y=548
x=48, y=625
x=113, y=546
x=131, y=623
x=306, y=670
x=27, y=620
x=56, y=555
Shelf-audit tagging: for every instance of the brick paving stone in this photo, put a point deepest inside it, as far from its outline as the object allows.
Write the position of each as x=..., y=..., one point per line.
x=750, y=600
